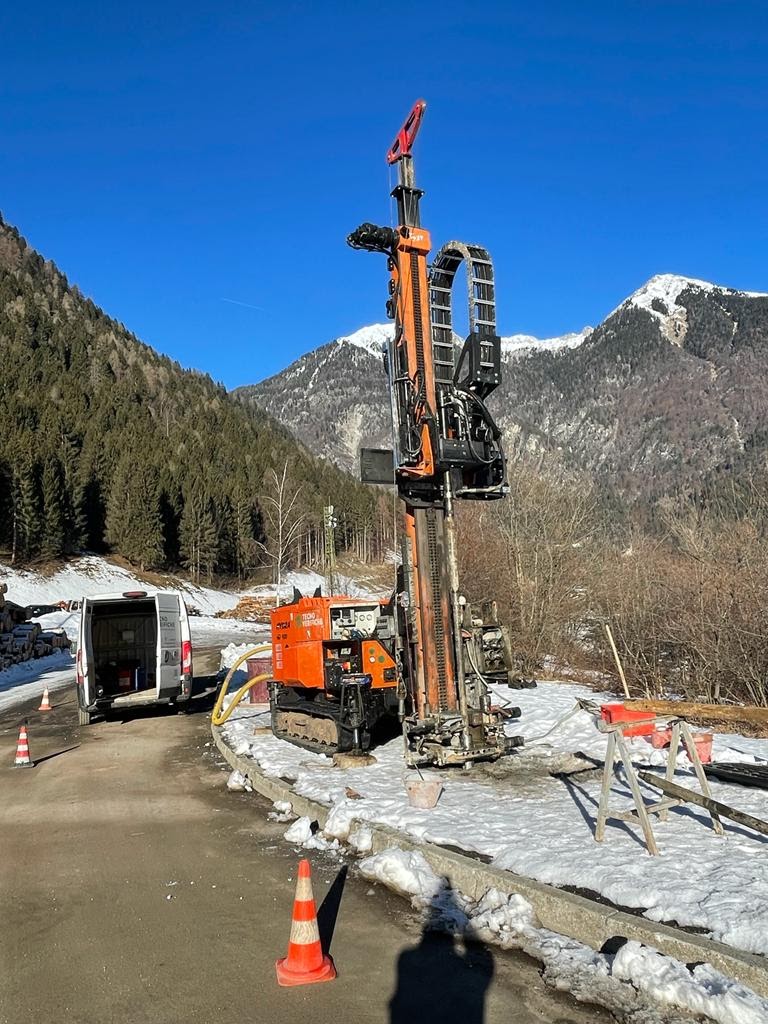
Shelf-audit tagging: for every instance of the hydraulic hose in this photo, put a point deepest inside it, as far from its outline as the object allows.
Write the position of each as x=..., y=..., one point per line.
x=219, y=717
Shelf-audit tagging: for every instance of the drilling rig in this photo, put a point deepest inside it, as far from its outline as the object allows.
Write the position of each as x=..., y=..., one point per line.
x=340, y=665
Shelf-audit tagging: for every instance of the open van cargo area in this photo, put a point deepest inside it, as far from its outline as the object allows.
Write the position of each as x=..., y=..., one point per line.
x=124, y=644
x=133, y=648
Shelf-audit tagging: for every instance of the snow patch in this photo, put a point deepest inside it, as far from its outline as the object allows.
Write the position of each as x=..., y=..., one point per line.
x=302, y=835
x=27, y=679
x=238, y=783
x=300, y=831
x=373, y=338
x=519, y=344
x=405, y=871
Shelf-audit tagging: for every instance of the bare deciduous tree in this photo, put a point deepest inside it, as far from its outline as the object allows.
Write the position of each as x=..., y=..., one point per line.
x=284, y=520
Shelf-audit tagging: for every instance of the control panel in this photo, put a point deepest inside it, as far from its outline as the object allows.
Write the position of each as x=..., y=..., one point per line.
x=353, y=621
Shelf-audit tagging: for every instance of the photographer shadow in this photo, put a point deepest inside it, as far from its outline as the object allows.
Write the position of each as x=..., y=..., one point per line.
x=437, y=979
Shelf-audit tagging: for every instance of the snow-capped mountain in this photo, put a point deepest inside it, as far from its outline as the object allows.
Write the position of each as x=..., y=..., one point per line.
x=372, y=339
x=671, y=388
x=659, y=296
x=523, y=344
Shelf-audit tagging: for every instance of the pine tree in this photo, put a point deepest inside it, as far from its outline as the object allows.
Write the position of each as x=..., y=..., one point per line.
x=52, y=542
x=199, y=533
x=120, y=504
x=245, y=518
x=146, y=530
x=134, y=523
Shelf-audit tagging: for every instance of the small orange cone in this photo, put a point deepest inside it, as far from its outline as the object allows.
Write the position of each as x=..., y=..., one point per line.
x=45, y=703
x=305, y=962
x=23, y=760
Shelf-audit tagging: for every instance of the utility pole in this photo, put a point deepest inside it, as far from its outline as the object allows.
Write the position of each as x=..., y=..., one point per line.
x=330, y=523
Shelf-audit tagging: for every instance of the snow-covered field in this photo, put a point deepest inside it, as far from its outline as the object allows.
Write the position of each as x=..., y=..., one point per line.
x=541, y=827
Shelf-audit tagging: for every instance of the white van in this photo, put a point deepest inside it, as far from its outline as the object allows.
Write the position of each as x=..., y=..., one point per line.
x=133, y=648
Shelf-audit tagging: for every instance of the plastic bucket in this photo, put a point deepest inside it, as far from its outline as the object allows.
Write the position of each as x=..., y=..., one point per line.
x=259, y=694
x=703, y=742
x=423, y=792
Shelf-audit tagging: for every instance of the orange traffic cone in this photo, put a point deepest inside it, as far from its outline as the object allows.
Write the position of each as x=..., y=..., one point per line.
x=305, y=962
x=45, y=703
x=23, y=760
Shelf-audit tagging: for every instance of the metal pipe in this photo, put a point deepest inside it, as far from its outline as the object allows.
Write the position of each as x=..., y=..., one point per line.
x=453, y=576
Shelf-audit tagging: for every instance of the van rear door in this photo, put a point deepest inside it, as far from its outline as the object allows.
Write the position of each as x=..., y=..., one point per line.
x=84, y=657
x=168, y=645
x=186, y=650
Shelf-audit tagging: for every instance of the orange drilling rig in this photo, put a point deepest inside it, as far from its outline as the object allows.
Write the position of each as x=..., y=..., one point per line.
x=342, y=664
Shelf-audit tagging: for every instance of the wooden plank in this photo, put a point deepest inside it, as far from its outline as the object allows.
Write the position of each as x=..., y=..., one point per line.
x=609, y=634
x=713, y=806
x=642, y=812
x=693, y=757
x=605, y=791
x=691, y=709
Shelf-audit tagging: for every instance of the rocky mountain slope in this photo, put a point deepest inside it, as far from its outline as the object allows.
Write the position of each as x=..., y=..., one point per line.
x=671, y=387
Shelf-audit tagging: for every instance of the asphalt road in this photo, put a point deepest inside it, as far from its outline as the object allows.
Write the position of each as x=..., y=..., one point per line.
x=135, y=888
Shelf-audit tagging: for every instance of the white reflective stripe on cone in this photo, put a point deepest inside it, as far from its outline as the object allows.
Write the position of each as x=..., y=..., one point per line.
x=304, y=932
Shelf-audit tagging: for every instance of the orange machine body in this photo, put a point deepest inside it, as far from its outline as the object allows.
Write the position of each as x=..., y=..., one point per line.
x=308, y=637
x=410, y=286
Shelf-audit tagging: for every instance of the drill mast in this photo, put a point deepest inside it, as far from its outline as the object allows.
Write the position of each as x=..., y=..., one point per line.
x=446, y=446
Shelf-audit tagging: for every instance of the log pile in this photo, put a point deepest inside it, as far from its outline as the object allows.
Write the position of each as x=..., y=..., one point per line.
x=22, y=640
x=249, y=609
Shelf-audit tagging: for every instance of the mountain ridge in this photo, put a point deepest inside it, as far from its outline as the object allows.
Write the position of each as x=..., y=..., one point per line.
x=665, y=391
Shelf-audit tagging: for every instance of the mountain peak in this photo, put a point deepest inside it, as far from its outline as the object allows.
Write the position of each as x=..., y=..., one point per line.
x=659, y=297
x=668, y=287
x=372, y=338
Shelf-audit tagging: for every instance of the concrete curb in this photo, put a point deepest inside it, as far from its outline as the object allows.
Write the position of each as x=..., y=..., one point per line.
x=576, y=917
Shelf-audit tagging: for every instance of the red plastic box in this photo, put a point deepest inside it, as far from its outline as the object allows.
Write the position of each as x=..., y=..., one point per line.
x=613, y=713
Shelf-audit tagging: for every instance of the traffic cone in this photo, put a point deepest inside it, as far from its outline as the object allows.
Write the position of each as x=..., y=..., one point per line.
x=23, y=760
x=45, y=703
x=305, y=962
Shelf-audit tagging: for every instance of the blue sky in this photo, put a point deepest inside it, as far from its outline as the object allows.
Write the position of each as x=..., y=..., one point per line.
x=195, y=168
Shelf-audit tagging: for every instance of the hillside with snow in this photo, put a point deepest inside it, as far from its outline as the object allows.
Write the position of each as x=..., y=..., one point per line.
x=667, y=392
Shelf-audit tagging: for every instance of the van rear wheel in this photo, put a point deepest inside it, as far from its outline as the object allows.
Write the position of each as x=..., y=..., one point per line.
x=83, y=717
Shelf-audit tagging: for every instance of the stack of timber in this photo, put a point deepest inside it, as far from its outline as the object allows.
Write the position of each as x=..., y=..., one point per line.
x=249, y=609
x=22, y=640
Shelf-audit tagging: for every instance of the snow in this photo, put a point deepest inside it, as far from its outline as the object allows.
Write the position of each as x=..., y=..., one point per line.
x=307, y=581
x=373, y=338
x=625, y=982
x=517, y=344
x=723, y=889
x=302, y=834
x=238, y=783
x=26, y=680
x=300, y=831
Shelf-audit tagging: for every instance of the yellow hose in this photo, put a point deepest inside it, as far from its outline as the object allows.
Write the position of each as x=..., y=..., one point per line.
x=219, y=717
